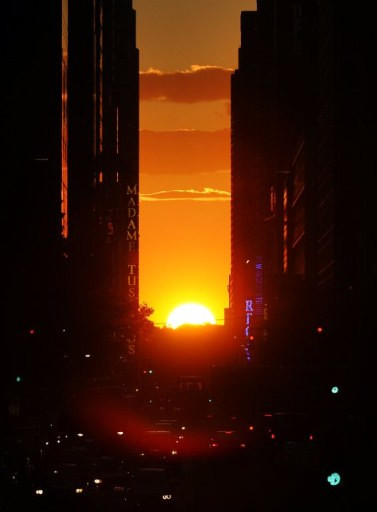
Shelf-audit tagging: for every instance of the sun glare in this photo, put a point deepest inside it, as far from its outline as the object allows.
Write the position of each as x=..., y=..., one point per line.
x=193, y=314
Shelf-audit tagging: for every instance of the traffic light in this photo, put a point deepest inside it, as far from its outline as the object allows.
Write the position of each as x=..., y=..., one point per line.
x=334, y=479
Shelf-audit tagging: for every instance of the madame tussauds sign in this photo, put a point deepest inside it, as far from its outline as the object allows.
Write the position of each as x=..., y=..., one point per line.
x=132, y=241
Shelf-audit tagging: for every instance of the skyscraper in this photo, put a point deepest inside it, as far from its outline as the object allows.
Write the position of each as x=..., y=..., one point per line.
x=249, y=179
x=301, y=148
x=35, y=63
x=346, y=243
x=104, y=168
x=273, y=170
x=34, y=144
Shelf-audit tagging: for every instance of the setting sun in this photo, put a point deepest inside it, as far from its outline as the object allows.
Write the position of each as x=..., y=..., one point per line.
x=193, y=314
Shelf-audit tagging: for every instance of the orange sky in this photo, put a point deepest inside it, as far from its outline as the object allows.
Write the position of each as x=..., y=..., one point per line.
x=187, y=53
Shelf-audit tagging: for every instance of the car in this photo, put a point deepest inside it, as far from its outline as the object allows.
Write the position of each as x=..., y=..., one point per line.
x=296, y=441
x=226, y=443
x=260, y=431
x=64, y=471
x=109, y=480
x=152, y=488
x=60, y=480
x=159, y=442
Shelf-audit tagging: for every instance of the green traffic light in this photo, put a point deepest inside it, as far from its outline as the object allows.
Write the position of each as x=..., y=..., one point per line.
x=334, y=479
x=18, y=378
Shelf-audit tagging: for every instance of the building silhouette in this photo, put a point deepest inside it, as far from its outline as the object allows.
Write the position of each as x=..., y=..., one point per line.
x=34, y=152
x=246, y=139
x=346, y=233
x=104, y=166
x=34, y=142
x=302, y=259
x=70, y=178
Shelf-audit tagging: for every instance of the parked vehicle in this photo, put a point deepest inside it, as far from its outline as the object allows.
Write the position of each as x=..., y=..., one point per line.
x=152, y=488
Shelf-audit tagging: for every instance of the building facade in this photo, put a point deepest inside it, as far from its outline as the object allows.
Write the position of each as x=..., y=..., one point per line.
x=34, y=153
x=104, y=169
x=34, y=142
x=301, y=205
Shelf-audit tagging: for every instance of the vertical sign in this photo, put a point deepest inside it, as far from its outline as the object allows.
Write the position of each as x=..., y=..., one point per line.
x=249, y=310
x=259, y=286
x=132, y=243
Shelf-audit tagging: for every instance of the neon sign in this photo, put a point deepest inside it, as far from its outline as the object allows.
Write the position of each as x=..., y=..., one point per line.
x=259, y=286
x=249, y=313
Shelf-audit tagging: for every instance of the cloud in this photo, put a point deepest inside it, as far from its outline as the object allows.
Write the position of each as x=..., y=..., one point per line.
x=184, y=151
x=207, y=194
x=199, y=83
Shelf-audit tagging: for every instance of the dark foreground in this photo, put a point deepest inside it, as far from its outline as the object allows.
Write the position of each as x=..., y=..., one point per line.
x=113, y=448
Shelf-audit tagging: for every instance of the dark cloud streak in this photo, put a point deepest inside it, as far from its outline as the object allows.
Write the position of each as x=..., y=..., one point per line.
x=200, y=83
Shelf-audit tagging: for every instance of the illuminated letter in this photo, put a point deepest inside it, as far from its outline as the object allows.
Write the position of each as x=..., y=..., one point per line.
x=131, y=236
x=249, y=305
x=131, y=268
x=131, y=225
x=131, y=246
x=131, y=292
x=131, y=212
x=131, y=190
x=131, y=202
x=133, y=279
